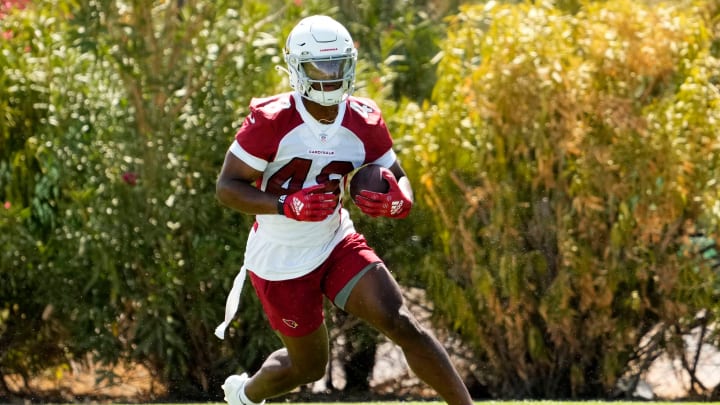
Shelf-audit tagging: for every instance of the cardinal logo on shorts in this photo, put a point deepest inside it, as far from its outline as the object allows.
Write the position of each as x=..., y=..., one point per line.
x=290, y=323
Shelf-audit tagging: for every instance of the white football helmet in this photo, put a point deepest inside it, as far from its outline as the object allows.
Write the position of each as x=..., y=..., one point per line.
x=321, y=56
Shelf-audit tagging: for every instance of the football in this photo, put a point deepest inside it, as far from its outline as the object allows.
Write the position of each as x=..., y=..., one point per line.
x=368, y=177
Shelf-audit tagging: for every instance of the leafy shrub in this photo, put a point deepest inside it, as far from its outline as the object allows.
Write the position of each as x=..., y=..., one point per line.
x=113, y=132
x=566, y=160
x=115, y=121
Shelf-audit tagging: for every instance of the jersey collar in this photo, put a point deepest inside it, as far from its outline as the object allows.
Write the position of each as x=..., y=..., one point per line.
x=323, y=131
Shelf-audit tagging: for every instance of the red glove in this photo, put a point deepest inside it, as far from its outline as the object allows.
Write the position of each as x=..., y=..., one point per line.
x=393, y=204
x=309, y=204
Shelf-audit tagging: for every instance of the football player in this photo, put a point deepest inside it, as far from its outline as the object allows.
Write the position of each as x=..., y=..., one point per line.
x=287, y=166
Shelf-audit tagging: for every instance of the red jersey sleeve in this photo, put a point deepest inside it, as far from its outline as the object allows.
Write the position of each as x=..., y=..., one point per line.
x=365, y=119
x=266, y=124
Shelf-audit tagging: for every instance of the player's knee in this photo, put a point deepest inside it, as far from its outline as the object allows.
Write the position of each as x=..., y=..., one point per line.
x=316, y=374
x=311, y=373
x=402, y=325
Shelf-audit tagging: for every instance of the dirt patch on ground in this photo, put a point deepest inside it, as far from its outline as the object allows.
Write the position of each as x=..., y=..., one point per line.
x=87, y=382
x=391, y=380
x=391, y=377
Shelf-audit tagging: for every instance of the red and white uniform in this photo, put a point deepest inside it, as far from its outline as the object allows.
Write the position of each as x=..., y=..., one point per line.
x=294, y=151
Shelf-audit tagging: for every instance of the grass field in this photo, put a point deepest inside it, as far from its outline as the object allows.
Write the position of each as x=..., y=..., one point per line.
x=500, y=403
x=516, y=403
x=519, y=403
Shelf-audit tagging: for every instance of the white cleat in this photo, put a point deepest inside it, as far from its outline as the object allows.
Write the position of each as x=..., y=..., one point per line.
x=232, y=387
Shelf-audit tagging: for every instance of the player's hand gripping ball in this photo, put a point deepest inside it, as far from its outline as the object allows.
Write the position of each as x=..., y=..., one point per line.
x=368, y=177
x=376, y=192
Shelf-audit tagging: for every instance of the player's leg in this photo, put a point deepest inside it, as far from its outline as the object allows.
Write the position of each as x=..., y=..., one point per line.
x=302, y=361
x=294, y=310
x=359, y=283
x=376, y=298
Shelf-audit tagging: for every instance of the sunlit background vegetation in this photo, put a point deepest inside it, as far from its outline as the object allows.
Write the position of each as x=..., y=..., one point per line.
x=565, y=158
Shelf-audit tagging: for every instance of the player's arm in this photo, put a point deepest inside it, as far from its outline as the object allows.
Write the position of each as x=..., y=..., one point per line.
x=235, y=188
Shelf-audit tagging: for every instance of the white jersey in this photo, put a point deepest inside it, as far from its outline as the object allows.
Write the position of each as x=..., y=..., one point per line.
x=294, y=151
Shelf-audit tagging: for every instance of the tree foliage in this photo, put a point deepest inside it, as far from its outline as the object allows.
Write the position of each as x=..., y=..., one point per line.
x=114, y=121
x=567, y=160
x=564, y=159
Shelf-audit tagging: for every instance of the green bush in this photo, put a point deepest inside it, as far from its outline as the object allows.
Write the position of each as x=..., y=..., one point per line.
x=566, y=160
x=564, y=167
x=112, y=135
x=114, y=122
